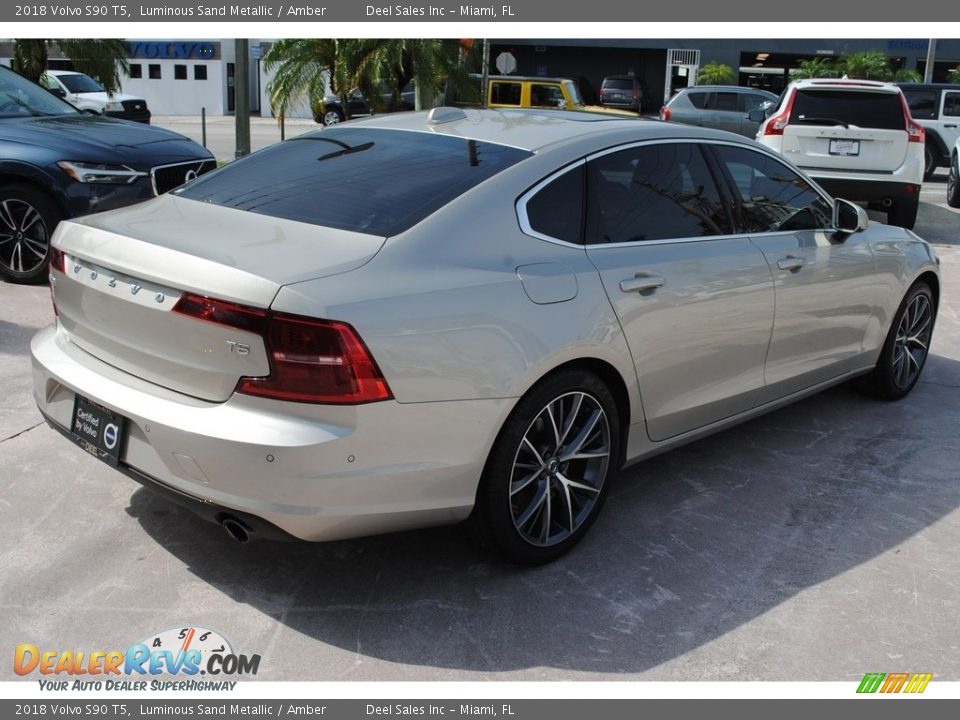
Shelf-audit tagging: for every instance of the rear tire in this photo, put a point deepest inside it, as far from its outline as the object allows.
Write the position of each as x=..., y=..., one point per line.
x=953, y=184
x=903, y=213
x=332, y=116
x=906, y=348
x=27, y=221
x=929, y=161
x=550, y=469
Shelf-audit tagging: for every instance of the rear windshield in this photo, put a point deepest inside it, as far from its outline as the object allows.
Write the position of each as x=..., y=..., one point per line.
x=378, y=182
x=859, y=108
x=618, y=84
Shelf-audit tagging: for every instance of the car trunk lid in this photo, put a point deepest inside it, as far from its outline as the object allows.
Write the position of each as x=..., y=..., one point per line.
x=126, y=270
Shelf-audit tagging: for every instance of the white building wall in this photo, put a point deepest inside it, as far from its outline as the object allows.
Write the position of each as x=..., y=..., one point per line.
x=169, y=96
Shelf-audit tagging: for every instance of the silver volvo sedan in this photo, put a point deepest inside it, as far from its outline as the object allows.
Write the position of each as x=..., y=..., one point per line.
x=423, y=318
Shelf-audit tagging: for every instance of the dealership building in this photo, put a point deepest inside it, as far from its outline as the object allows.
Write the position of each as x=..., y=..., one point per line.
x=181, y=77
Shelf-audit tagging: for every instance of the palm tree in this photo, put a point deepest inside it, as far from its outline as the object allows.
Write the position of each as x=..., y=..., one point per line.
x=953, y=75
x=105, y=60
x=814, y=68
x=872, y=65
x=714, y=73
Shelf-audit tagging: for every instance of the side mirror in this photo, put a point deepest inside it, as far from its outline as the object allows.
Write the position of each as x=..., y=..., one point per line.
x=59, y=92
x=757, y=115
x=849, y=218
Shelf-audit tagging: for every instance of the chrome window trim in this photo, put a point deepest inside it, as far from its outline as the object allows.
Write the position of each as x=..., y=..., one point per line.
x=524, y=221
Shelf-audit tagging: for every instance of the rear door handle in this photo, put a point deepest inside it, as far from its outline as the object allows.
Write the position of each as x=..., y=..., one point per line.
x=952, y=125
x=642, y=283
x=791, y=263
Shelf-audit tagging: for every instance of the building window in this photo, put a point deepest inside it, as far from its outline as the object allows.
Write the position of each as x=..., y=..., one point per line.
x=179, y=72
x=154, y=72
x=199, y=72
x=136, y=70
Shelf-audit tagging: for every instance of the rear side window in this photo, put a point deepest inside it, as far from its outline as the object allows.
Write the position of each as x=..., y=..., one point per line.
x=860, y=108
x=653, y=192
x=505, y=93
x=557, y=209
x=923, y=103
x=773, y=197
x=379, y=182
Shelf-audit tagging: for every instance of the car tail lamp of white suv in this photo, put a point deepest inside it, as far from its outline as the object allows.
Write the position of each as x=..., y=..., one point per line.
x=856, y=138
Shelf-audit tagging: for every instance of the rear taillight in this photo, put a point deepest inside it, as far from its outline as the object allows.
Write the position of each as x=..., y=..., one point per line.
x=58, y=261
x=311, y=361
x=636, y=94
x=665, y=113
x=915, y=131
x=777, y=123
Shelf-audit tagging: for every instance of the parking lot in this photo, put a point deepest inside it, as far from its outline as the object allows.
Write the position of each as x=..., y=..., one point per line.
x=815, y=543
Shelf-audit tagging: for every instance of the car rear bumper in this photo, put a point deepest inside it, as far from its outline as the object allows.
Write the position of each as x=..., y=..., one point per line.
x=867, y=190
x=309, y=471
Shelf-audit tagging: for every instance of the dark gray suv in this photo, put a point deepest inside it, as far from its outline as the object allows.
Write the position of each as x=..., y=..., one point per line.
x=724, y=107
x=621, y=91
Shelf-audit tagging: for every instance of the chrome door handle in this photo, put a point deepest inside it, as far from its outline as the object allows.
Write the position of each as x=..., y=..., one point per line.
x=791, y=263
x=642, y=283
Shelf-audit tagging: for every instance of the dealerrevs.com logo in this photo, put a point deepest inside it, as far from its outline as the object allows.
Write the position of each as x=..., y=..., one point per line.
x=192, y=652
x=898, y=682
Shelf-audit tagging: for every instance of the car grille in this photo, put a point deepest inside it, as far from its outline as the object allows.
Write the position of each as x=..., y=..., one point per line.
x=134, y=106
x=168, y=177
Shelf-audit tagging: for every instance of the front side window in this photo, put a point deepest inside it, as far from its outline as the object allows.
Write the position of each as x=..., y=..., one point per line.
x=751, y=101
x=951, y=104
x=725, y=101
x=653, y=192
x=546, y=95
x=773, y=197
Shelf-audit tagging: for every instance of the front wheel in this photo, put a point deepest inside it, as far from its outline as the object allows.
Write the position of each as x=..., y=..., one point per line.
x=953, y=184
x=906, y=347
x=27, y=220
x=550, y=469
x=332, y=116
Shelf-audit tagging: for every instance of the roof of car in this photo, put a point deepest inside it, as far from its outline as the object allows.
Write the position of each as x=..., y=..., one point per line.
x=621, y=77
x=62, y=72
x=928, y=86
x=533, y=130
x=727, y=88
x=846, y=83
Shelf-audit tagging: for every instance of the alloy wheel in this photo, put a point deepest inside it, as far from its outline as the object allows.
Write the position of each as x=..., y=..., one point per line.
x=912, y=341
x=24, y=240
x=559, y=469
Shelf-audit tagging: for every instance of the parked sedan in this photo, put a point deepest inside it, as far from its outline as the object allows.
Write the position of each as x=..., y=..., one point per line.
x=56, y=162
x=421, y=318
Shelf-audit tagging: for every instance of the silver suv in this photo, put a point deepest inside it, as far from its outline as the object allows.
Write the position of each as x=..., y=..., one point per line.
x=724, y=107
x=856, y=138
x=937, y=108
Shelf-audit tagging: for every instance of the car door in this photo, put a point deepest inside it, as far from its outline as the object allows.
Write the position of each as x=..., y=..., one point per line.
x=695, y=302
x=824, y=283
x=749, y=101
x=726, y=111
x=950, y=117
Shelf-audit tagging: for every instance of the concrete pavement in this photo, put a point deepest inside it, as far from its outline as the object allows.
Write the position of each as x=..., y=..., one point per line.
x=815, y=543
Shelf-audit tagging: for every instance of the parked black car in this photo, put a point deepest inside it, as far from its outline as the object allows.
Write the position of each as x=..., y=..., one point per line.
x=56, y=162
x=330, y=110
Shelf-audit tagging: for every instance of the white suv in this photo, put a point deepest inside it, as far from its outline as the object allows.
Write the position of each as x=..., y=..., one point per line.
x=856, y=138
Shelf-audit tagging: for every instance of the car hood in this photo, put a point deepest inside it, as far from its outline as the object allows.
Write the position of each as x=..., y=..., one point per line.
x=91, y=137
x=105, y=97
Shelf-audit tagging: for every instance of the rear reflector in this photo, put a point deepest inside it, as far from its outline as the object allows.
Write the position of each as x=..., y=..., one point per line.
x=311, y=361
x=58, y=261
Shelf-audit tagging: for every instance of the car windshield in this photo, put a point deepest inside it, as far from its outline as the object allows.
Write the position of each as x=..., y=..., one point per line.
x=618, y=84
x=574, y=92
x=21, y=98
x=80, y=83
x=372, y=181
x=850, y=107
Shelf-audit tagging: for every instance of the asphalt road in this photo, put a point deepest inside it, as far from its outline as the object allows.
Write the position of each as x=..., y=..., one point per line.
x=816, y=543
